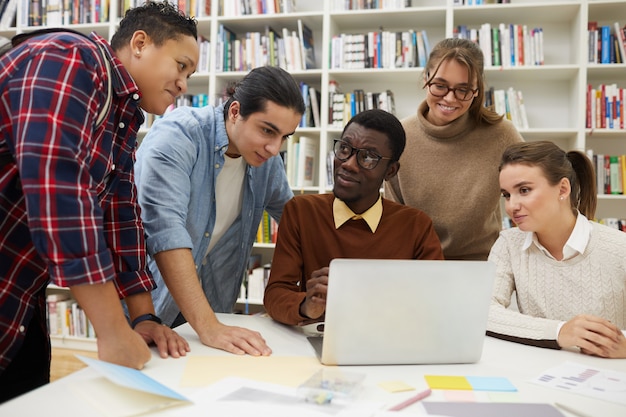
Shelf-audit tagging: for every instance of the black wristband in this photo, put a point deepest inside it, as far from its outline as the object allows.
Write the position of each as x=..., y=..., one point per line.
x=144, y=317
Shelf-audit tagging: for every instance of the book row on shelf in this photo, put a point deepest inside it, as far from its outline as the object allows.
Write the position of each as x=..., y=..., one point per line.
x=301, y=164
x=204, y=55
x=234, y=8
x=610, y=172
x=479, y=2
x=266, y=233
x=507, y=45
x=193, y=8
x=343, y=106
x=605, y=107
x=509, y=103
x=255, y=279
x=312, y=99
x=60, y=12
x=72, y=12
x=300, y=161
x=66, y=318
x=253, y=285
x=290, y=49
x=607, y=45
x=379, y=49
x=193, y=100
x=339, y=5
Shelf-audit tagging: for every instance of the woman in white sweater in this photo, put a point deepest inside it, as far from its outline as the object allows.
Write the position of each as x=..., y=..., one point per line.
x=568, y=273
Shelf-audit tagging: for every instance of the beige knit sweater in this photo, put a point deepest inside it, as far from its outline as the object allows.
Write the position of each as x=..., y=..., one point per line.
x=451, y=173
x=549, y=291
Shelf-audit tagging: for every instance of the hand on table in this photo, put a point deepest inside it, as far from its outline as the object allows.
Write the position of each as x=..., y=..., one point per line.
x=314, y=304
x=167, y=341
x=594, y=336
x=125, y=347
x=236, y=340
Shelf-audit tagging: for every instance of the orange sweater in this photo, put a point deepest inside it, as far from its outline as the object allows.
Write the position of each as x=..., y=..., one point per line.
x=308, y=240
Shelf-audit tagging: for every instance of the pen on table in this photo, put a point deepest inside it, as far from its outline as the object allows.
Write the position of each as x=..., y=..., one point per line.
x=412, y=400
x=571, y=410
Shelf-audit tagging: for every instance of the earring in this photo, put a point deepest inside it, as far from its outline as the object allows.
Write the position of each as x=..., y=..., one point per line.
x=561, y=198
x=137, y=53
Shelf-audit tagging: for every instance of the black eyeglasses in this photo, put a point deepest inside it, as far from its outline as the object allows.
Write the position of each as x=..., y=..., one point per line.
x=442, y=90
x=366, y=158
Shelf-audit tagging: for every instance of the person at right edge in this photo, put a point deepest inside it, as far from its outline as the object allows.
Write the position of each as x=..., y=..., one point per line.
x=568, y=273
x=453, y=147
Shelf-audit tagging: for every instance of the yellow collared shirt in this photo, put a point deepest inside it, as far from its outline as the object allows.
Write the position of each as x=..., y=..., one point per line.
x=372, y=216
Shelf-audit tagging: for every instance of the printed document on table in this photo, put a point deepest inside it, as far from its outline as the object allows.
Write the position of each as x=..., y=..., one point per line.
x=604, y=384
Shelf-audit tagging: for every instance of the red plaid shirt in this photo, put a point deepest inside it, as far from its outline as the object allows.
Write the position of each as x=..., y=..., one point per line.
x=68, y=209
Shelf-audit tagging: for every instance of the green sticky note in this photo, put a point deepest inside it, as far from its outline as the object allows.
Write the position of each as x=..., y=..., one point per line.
x=447, y=382
x=504, y=397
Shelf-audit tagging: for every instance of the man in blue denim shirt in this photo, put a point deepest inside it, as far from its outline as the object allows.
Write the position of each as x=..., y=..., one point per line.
x=204, y=177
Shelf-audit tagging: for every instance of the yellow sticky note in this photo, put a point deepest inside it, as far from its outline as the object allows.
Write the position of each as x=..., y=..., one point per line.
x=395, y=386
x=447, y=382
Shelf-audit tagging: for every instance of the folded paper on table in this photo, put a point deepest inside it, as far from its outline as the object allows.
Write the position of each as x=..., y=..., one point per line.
x=125, y=392
x=283, y=370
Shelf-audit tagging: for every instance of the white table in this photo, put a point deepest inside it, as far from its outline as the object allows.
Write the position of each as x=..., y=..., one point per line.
x=517, y=362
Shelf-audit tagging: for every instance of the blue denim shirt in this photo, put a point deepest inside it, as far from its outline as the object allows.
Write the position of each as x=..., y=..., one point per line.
x=177, y=166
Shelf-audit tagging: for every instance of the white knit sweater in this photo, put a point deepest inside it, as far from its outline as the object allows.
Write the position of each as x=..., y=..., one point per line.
x=550, y=291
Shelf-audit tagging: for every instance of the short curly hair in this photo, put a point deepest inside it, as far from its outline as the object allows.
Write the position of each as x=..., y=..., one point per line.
x=161, y=20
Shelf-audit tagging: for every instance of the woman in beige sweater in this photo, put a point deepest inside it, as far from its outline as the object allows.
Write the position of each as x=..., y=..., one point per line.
x=569, y=274
x=453, y=147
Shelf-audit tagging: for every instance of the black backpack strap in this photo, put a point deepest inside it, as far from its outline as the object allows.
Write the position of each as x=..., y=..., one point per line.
x=7, y=158
x=19, y=38
x=104, y=110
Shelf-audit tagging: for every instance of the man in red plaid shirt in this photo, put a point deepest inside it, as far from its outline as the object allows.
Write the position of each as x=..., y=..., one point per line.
x=68, y=209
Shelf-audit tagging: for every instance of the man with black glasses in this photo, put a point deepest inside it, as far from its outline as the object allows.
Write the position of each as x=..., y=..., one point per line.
x=353, y=221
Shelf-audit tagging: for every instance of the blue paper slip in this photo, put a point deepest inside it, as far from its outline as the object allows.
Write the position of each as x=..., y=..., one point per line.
x=486, y=383
x=131, y=378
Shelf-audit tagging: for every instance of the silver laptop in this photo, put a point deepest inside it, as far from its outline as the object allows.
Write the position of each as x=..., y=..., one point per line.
x=392, y=312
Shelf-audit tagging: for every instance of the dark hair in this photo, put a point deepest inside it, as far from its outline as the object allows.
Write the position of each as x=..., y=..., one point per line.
x=556, y=164
x=260, y=85
x=468, y=54
x=383, y=122
x=161, y=20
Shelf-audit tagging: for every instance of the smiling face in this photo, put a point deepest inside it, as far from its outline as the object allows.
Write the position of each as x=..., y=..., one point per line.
x=446, y=109
x=359, y=188
x=161, y=72
x=530, y=200
x=259, y=136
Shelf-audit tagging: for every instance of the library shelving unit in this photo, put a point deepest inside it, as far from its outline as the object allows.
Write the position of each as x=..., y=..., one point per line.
x=554, y=93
